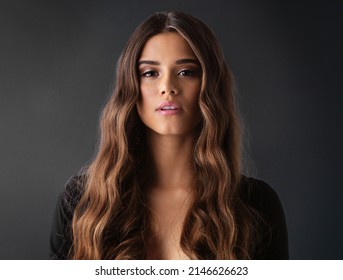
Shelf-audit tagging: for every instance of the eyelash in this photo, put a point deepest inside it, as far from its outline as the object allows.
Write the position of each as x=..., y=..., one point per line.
x=188, y=72
x=149, y=74
x=152, y=73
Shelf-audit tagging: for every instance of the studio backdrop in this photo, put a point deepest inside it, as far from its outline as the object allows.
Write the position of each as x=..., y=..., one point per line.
x=57, y=65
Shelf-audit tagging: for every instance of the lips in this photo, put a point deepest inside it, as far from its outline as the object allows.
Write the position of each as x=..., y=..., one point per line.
x=169, y=108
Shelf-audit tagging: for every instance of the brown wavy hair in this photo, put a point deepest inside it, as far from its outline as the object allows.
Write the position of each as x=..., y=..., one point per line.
x=111, y=221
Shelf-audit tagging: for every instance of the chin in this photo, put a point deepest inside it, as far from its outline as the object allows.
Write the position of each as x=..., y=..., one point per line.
x=170, y=133
x=175, y=131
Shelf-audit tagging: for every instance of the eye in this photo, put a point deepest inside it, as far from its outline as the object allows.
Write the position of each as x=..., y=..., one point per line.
x=186, y=73
x=149, y=73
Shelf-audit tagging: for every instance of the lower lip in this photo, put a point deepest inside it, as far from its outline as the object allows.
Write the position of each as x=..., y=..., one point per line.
x=169, y=112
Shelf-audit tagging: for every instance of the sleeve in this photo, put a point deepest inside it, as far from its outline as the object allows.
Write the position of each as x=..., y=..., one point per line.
x=274, y=236
x=61, y=233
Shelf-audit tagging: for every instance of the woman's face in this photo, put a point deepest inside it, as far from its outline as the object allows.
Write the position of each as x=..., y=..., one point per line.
x=170, y=81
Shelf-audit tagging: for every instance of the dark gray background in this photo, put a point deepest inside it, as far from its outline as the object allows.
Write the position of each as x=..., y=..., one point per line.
x=57, y=61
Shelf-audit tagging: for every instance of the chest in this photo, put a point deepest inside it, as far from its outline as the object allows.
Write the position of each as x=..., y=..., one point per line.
x=168, y=214
x=166, y=247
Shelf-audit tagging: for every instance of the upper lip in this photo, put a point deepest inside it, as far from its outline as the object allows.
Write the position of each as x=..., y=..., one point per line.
x=172, y=105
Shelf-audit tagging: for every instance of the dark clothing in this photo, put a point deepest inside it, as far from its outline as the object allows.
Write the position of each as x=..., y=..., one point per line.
x=255, y=193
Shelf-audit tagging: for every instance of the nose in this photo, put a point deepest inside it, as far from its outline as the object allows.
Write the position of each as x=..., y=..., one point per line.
x=168, y=85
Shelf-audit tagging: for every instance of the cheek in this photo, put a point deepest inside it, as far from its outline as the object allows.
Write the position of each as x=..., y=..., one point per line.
x=140, y=107
x=144, y=106
x=194, y=98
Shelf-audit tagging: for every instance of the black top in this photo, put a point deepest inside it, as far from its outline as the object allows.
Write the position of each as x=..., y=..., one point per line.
x=256, y=193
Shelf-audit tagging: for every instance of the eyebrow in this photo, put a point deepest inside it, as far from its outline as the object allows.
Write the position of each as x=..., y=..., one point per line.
x=179, y=61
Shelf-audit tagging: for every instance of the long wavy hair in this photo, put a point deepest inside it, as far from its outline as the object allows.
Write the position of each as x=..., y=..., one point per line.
x=109, y=222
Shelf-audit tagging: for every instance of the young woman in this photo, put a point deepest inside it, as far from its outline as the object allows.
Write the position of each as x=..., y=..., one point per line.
x=166, y=181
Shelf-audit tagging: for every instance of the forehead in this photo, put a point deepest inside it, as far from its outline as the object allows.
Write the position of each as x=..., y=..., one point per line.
x=167, y=46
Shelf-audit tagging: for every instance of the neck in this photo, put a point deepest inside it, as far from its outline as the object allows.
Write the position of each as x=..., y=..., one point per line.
x=170, y=159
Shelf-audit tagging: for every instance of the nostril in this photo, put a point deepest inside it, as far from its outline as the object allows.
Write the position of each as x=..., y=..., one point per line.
x=173, y=92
